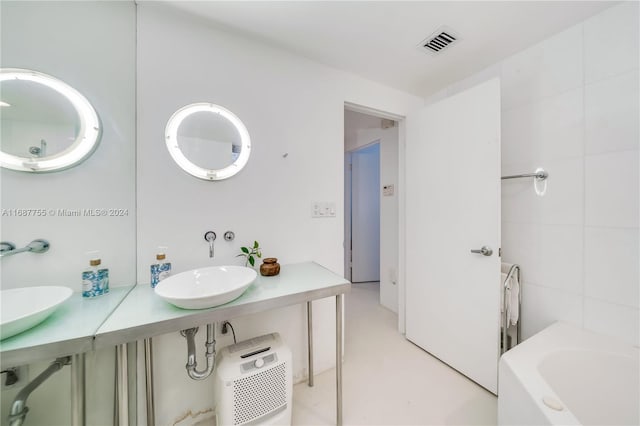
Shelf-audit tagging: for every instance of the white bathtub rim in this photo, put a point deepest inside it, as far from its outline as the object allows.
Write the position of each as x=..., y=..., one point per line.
x=522, y=362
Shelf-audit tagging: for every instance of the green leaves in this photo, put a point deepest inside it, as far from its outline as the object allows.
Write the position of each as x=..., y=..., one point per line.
x=249, y=253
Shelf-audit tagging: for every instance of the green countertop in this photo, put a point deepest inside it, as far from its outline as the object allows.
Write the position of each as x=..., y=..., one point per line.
x=128, y=314
x=69, y=330
x=144, y=314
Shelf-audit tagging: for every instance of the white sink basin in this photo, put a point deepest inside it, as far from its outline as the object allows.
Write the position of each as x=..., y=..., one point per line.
x=23, y=308
x=206, y=287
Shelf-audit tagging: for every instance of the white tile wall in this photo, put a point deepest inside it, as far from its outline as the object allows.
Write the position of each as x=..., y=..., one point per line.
x=611, y=42
x=571, y=105
x=544, y=70
x=551, y=128
x=615, y=320
x=550, y=255
x=544, y=306
x=563, y=202
x=611, y=196
x=611, y=265
x=611, y=114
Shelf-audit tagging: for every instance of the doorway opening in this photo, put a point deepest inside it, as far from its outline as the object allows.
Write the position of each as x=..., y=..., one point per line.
x=364, y=241
x=371, y=144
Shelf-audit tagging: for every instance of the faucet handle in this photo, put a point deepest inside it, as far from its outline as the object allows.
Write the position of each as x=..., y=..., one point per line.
x=6, y=246
x=210, y=237
x=38, y=246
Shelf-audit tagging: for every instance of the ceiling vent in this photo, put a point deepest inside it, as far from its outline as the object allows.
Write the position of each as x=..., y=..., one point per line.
x=440, y=40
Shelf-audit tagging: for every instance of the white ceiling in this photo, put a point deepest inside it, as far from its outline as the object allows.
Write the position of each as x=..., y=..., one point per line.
x=378, y=39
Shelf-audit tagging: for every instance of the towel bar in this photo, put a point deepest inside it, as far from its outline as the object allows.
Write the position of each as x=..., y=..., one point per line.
x=539, y=175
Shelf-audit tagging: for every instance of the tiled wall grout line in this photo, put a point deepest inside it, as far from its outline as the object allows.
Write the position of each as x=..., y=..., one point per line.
x=584, y=176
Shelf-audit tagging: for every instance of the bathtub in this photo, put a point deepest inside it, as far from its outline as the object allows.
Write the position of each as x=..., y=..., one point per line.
x=567, y=376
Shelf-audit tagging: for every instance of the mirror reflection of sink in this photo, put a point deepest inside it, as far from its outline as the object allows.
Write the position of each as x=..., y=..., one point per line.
x=206, y=287
x=23, y=308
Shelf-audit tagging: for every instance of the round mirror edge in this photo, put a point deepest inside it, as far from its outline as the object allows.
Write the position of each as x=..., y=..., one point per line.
x=91, y=119
x=171, y=142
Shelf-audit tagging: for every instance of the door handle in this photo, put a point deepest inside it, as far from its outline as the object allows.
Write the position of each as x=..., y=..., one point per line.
x=485, y=251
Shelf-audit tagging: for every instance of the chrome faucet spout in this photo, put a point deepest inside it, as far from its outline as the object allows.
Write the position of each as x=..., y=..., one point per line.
x=210, y=237
x=35, y=246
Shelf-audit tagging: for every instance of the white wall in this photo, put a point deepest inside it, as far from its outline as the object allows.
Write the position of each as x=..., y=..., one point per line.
x=361, y=130
x=90, y=46
x=78, y=43
x=570, y=105
x=289, y=105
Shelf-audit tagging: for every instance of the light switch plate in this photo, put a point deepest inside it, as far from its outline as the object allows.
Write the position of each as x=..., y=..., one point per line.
x=323, y=209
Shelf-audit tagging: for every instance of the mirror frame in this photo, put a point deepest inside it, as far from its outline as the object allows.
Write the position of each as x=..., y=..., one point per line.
x=171, y=139
x=87, y=139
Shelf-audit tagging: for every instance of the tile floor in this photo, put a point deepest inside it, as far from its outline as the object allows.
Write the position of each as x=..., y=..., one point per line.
x=387, y=380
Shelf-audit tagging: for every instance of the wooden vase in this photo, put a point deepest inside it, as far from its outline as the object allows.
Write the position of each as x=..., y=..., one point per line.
x=269, y=267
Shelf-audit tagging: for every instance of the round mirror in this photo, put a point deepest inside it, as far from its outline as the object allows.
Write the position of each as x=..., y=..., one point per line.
x=208, y=141
x=47, y=125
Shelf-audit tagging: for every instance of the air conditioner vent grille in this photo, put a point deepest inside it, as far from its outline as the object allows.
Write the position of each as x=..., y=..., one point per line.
x=259, y=394
x=439, y=40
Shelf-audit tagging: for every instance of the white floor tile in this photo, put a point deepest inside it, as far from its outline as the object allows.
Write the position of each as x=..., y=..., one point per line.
x=389, y=381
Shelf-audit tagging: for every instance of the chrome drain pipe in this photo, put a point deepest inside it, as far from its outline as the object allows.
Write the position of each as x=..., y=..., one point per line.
x=192, y=364
x=18, y=408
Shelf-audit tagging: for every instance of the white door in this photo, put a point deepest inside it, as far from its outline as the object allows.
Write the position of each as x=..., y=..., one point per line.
x=365, y=214
x=453, y=207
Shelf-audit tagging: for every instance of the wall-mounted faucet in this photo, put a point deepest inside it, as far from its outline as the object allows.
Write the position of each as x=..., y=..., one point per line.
x=210, y=237
x=35, y=246
x=39, y=151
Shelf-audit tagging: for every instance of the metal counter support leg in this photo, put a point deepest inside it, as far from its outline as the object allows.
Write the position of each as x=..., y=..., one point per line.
x=339, y=302
x=122, y=386
x=148, y=373
x=78, y=394
x=310, y=341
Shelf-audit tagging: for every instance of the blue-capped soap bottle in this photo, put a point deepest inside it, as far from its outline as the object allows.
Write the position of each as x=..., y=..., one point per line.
x=160, y=270
x=95, y=280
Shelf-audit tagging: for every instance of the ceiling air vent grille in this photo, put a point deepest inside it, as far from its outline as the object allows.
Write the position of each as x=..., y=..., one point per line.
x=439, y=40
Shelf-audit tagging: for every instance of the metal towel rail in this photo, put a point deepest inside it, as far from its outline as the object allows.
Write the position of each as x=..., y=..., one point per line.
x=539, y=175
x=514, y=270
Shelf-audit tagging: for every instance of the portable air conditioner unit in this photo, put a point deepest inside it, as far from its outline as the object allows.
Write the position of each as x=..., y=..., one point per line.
x=253, y=382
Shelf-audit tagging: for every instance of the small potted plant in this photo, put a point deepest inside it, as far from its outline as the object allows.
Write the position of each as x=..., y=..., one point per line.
x=249, y=252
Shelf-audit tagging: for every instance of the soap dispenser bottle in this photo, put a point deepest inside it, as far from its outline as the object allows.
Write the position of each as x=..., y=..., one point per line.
x=160, y=270
x=95, y=280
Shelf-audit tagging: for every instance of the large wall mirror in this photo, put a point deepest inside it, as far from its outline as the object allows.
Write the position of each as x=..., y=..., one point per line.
x=89, y=47
x=46, y=125
x=208, y=141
